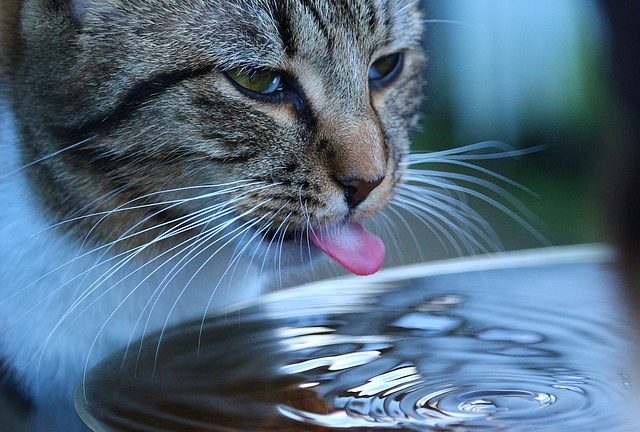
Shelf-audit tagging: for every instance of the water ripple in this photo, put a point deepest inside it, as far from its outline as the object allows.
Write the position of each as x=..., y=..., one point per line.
x=503, y=350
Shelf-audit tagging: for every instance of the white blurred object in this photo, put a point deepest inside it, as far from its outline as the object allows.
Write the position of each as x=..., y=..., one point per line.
x=517, y=62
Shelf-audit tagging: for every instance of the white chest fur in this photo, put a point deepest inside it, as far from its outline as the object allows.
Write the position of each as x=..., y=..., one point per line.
x=57, y=316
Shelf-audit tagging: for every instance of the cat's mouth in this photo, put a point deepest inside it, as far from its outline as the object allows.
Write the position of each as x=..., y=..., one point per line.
x=350, y=244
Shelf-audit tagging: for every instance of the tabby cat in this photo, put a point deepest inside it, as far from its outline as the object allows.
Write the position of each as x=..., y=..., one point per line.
x=164, y=158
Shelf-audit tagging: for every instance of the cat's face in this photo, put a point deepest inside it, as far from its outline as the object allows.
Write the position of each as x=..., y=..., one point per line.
x=301, y=108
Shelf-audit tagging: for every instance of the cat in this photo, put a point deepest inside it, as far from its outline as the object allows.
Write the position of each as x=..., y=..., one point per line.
x=162, y=159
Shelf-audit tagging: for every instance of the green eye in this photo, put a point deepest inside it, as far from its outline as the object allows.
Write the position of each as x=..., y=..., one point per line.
x=263, y=82
x=385, y=67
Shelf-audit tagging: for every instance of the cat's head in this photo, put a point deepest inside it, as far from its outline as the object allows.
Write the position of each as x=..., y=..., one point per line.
x=295, y=113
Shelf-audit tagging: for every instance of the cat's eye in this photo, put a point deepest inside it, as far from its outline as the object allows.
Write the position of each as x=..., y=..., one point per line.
x=262, y=82
x=385, y=69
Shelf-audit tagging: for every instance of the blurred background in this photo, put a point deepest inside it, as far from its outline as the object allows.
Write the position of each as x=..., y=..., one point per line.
x=528, y=73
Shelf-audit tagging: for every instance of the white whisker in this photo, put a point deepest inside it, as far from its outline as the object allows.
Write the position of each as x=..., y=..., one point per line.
x=479, y=169
x=243, y=228
x=488, y=200
x=409, y=229
x=465, y=221
x=49, y=156
x=430, y=197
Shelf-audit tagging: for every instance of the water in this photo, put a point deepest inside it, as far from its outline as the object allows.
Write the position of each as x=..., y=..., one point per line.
x=517, y=346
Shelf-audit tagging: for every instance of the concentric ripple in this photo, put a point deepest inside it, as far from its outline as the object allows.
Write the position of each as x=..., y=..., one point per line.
x=520, y=349
x=484, y=403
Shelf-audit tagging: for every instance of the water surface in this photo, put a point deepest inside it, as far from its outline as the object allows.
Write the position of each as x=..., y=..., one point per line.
x=508, y=344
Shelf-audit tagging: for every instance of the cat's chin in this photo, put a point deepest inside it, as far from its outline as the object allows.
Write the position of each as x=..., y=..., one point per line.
x=285, y=253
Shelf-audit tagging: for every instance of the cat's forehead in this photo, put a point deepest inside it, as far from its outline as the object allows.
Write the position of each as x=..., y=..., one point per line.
x=328, y=29
x=260, y=33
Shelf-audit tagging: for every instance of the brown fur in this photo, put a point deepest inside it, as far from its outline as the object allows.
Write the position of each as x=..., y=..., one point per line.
x=141, y=85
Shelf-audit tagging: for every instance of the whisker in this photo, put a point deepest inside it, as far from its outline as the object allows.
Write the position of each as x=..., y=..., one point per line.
x=112, y=272
x=428, y=196
x=244, y=227
x=44, y=158
x=202, y=238
x=267, y=228
x=503, y=193
x=491, y=202
x=199, y=241
x=209, y=305
x=460, y=217
x=175, y=230
x=198, y=246
x=392, y=234
x=479, y=169
x=425, y=220
x=273, y=237
x=448, y=21
x=409, y=229
x=455, y=230
x=484, y=145
x=431, y=224
x=183, y=226
x=462, y=154
x=112, y=314
x=308, y=226
x=279, y=248
x=104, y=197
x=123, y=207
x=164, y=236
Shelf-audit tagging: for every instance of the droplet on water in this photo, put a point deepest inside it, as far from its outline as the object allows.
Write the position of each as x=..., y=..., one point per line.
x=428, y=322
x=515, y=336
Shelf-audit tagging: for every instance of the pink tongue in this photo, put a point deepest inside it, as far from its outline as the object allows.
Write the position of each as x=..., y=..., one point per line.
x=354, y=247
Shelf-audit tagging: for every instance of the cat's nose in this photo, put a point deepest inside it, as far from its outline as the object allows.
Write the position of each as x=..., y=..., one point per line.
x=356, y=191
x=356, y=155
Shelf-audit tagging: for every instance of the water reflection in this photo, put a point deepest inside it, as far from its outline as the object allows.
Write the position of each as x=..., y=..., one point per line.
x=519, y=349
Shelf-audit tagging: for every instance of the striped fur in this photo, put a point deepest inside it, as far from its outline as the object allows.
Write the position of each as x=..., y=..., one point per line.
x=132, y=99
